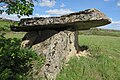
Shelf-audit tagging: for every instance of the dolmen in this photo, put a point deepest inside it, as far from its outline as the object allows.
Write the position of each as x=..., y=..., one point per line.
x=57, y=38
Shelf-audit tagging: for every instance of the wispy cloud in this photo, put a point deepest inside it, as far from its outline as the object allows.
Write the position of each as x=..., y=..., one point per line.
x=118, y=3
x=14, y=16
x=106, y=0
x=10, y=17
x=62, y=5
x=115, y=25
x=36, y=15
x=116, y=22
x=59, y=11
x=43, y=3
x=3, y=6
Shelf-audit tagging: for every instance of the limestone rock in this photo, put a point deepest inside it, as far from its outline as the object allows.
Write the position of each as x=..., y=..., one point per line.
x=75, y=21
x=56, y=46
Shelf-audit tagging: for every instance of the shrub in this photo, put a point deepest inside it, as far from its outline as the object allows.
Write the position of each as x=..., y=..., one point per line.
x=14, y=62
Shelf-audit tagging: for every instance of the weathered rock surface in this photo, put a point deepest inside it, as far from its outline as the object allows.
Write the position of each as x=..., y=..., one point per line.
x=57, y=38
x=57, y=47
x=75, y=21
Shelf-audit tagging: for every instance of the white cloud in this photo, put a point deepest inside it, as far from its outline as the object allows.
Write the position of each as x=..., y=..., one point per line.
x=115, y=25
x=106, y=0
x=59, y=11
x=118, y=3
x=3, y=7
x=62, y=5
x=11, y=17
x=14, y=16
x=48, y=3
x=116, y=22
x=36, y=15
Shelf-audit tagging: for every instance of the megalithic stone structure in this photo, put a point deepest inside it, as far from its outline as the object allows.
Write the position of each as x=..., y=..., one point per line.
x=57, y=38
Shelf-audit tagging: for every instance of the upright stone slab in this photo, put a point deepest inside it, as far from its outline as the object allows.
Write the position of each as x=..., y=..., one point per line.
x=57, y=38
x=58, y=47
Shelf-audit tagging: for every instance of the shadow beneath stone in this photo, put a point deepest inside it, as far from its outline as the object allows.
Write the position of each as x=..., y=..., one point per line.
x=35, y=37
x=83, y=47
x=83, y=51
x=44, y=35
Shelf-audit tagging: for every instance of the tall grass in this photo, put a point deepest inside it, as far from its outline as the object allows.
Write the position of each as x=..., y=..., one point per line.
x=103, y=64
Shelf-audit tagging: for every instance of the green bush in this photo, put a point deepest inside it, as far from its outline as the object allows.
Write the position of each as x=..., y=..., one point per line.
x=14, y=62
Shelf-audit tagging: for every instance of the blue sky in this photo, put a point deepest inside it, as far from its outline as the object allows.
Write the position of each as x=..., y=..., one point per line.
x=47, y=8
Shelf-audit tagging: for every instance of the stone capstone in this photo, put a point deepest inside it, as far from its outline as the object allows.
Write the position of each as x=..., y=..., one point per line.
x=75, y=21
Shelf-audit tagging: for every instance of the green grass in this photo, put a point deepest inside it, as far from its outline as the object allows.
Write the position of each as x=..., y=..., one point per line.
x=100, y=32
x=18, y=35
x=103, y=64
x=5, y=28
x=10, y=34
x=4, y=25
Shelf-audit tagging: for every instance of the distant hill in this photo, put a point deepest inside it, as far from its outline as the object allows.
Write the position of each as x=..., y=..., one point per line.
x=7, y=20
x=100, y=32
x=5, y=24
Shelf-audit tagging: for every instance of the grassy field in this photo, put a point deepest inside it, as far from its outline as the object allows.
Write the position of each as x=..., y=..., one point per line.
x=18, y=35
x=5, y=25
x=5, y=28
x=103, y=64
x=100, y=32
